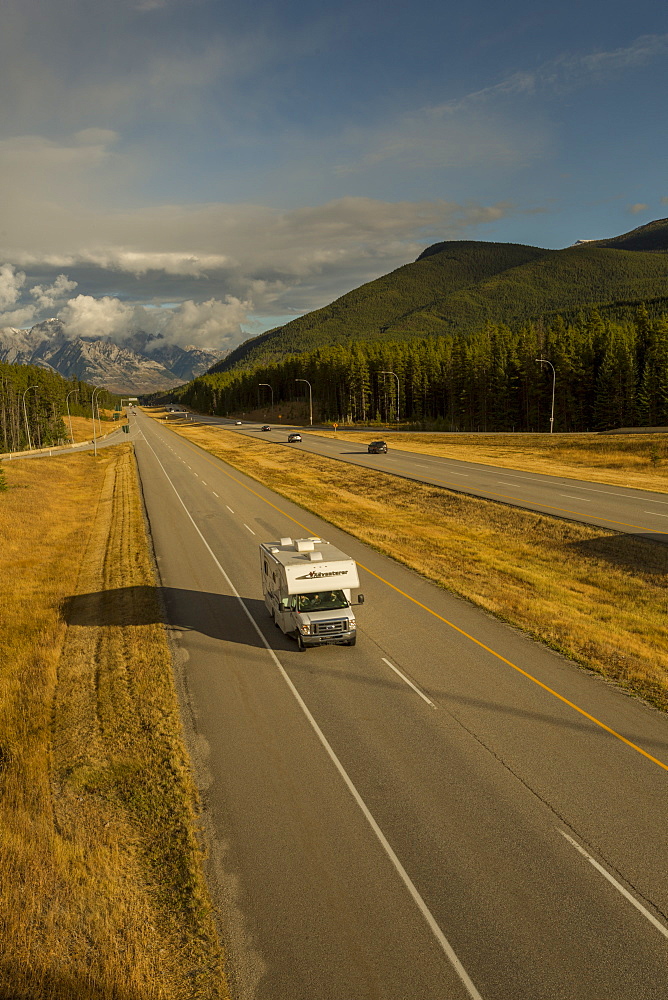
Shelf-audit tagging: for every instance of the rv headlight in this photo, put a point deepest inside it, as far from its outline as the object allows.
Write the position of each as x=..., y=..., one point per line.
x=305, y=629
x=352, y=623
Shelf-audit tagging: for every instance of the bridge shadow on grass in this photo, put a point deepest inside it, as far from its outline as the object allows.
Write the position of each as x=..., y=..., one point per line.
x=637, y=553
x=215, y=615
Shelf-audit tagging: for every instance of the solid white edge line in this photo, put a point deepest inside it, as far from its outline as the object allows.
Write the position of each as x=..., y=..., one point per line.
x=429, y=918
x=409, y=682
x=620, y=888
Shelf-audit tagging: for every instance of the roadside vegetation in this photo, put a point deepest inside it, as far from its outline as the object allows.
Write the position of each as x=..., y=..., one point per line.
x=595, y=595
x=607, y=374
x=103, y=896
x=34, y=404
x=637, y=460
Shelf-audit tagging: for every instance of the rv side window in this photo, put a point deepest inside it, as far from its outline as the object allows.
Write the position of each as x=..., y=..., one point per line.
x=266, y=568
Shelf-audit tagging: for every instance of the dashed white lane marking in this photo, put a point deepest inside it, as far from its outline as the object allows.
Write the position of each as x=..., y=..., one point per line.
x=250, y=529
x=409, y=682
x=230, y=509
x=620, y=888
x=428, y=916
x=203, y=483
x=655, y=513
x=215, y=494
x=569, y=497
x=664, y=502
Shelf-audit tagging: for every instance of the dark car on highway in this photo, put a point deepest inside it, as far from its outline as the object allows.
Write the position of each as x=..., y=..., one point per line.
x=294, y=438
x=377, y=448
x=266, y=427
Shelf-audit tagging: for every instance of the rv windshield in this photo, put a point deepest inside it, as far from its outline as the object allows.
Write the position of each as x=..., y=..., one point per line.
x=328, y=600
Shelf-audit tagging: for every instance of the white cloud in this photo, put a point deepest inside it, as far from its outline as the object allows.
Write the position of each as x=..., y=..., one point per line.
x=47, y=296
x=637, y=208
x=11, y=282
x=86, y=316
x=214, y=323
x=577, y=69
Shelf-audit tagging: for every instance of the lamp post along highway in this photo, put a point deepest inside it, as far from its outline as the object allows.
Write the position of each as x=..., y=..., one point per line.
x=310, y=397
x=92, y=409
x=69, y=415
x=25, y=414
x=544, y=361
x=397, y=378
x=270, y=390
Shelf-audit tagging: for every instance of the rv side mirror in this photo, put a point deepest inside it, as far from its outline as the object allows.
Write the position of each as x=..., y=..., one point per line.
x=360, y=598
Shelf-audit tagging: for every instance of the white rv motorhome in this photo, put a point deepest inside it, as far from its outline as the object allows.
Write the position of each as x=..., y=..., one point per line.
x=307, y=585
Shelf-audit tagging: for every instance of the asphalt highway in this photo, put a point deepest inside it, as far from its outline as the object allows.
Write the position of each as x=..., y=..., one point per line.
x=446, y=810
x=634, y=511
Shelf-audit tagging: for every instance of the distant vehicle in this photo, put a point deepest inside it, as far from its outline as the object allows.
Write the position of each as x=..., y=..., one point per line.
x=237, y=423
x=266, y=427
x=294, y=438
x=377, y=448
x=297, y=574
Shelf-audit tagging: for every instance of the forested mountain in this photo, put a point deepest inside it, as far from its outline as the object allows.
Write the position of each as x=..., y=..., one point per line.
x=33, y=404
x=456, y=287
x=606, y=374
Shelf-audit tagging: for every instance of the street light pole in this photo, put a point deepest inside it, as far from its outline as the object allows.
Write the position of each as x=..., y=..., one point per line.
x=397, y=378
x=92, y=408
x=271, y=391
x=25, y=414
x=310, y=397
x=39, y=433
x=544, y=361
x=69, y=415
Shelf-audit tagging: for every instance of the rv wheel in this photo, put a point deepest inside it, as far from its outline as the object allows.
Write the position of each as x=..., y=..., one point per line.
x=300, y=643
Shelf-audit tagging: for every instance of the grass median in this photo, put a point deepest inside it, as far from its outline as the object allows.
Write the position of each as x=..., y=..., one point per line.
x=595, y=595
x=102, y=888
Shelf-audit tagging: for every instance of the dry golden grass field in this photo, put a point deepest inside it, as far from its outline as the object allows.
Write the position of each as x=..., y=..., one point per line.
x=103, y=896
x=598, y=596
x=638, y=460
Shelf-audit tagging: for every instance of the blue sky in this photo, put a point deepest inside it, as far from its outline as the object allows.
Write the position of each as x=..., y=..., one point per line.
x=208, y=169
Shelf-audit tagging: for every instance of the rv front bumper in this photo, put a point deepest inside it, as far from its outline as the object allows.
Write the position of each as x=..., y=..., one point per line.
x=329, y=640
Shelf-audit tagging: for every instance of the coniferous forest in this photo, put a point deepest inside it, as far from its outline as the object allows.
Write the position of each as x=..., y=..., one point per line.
x=34, y=403
x=607, y=374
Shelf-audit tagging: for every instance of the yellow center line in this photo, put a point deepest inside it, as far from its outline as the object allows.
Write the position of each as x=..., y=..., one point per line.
x=592, y=718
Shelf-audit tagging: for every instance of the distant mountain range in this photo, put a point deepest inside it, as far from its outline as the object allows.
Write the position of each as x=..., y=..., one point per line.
x=142, y=364
x=457, y=286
